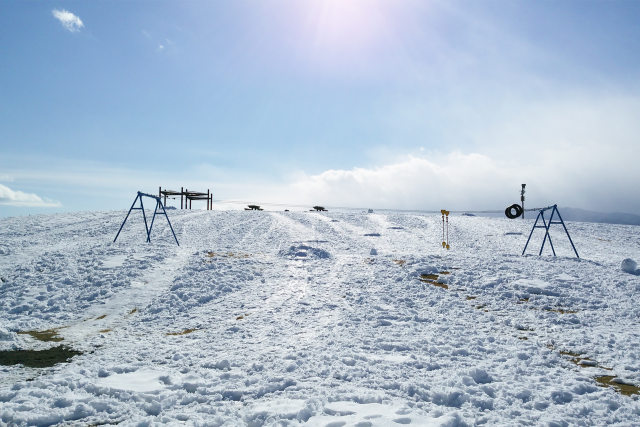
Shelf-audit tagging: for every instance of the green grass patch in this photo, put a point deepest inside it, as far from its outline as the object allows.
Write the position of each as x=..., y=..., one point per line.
x=38, y=358
x=50, y=335
x=622, y=388
x=184, y=332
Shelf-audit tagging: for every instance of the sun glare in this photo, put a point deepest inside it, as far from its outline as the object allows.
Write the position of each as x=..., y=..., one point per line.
x=342, y=28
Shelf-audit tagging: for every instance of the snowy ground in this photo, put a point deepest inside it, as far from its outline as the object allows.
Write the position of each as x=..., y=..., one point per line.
x=294, y=318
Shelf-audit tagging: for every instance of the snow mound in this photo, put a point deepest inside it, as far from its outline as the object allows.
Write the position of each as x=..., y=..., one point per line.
x=6, y=335
x=304, y=252
x=143, y=380
x=536, y=287
x=630, y=266
x=342, y=413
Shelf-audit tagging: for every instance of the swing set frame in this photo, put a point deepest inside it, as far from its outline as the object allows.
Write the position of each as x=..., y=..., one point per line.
x=546, y=225
x=147, y=227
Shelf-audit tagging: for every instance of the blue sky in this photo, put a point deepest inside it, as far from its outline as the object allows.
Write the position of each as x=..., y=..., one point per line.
x=396, y=104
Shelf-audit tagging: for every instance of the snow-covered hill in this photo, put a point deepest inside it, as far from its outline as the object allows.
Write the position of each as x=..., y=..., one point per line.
x=335, y=318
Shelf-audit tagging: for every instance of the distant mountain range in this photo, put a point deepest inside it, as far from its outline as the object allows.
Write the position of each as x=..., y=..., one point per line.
x=574, y=214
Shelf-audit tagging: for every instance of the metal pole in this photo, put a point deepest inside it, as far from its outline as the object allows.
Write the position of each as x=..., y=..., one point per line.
x=531, y=234
x=170, y=226
x=522, y=199
x=447, y=231
x=443, y=243
x=546, y=234
x=125, y=218
x=153, y=219
x=566, y=231
x=144, y=216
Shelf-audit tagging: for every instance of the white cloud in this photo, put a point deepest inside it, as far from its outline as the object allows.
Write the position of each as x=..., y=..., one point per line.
x=9, y=197
x=68, y=20
x=451, y=181
x=580, y=151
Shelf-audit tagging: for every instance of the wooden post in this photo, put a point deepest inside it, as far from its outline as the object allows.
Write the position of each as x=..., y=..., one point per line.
x=208, y=199
x=181, y=191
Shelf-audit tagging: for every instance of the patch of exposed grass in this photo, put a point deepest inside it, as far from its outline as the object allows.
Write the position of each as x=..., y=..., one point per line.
x=471, y=297
x=583, y=362
x=50, y=335
x=440, y=285
x=104, y=331
x=560, y=310
x=620, y=387
x=133, y=311
x=445, y=272
x=101, y=317
x=432, y=279
x=184, y=332
x=38, y=358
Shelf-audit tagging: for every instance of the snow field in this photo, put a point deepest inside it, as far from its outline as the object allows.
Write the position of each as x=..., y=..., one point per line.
x=319, y=319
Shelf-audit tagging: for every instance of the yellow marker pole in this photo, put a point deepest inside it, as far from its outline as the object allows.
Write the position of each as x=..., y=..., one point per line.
x=448, y=231
x=444, y=244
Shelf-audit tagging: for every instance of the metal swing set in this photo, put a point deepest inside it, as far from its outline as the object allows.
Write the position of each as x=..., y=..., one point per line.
x=546, y=225
x=148, y=228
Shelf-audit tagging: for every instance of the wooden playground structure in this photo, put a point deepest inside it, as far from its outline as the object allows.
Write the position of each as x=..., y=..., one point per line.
x=186, y=197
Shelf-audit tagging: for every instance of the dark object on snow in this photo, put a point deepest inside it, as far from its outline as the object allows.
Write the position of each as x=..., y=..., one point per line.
x=468, y=214
x=155, y=212
x=522, y=199
x=319, y=208
x=253, y=208
x=546, y=226
x=38, y=358
x=513, y=211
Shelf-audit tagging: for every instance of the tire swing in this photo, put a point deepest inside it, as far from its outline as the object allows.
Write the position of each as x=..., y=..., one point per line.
x=513, y=211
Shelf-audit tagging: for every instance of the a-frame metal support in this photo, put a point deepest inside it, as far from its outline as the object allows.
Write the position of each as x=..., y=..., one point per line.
x=147, y=227
x=546, y=225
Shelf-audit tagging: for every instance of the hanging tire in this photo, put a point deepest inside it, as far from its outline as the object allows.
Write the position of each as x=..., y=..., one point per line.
x=513, y=211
